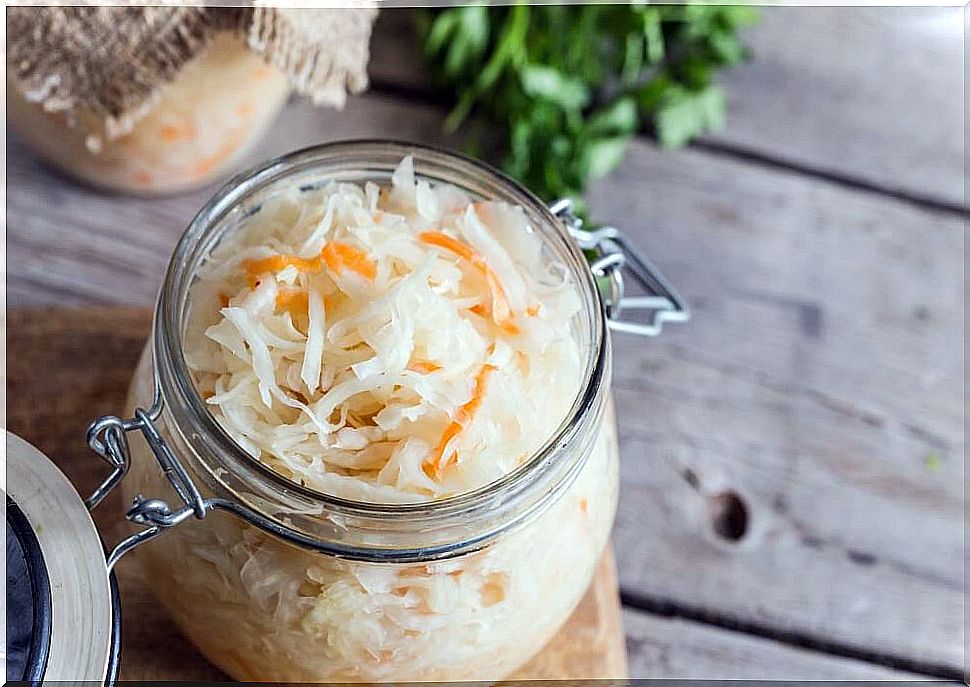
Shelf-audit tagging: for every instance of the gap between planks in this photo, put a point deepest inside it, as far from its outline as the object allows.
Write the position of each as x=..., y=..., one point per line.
x=741, y=154
x=666, y=608
x=425, y=96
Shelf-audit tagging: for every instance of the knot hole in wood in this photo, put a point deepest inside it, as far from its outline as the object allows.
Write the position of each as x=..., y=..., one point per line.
x=729, y=515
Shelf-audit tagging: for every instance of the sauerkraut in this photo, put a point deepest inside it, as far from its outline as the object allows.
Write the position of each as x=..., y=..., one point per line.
x=395, y=344
x=398, y=344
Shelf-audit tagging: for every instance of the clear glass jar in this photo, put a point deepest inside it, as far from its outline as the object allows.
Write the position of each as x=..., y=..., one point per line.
x=307, y=587
x=203, y=123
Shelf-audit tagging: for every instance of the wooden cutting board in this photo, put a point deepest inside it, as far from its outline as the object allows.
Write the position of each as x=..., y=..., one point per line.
x=66, y=367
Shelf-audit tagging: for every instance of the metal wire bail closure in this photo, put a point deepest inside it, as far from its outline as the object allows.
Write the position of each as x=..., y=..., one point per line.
x=611, y=253
x=107, y=437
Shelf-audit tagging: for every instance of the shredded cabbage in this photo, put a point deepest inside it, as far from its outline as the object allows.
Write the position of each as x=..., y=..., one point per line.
x=263, y=610
x=389, y=344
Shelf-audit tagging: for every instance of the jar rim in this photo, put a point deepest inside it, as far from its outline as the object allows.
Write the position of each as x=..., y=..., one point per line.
x=174, y=380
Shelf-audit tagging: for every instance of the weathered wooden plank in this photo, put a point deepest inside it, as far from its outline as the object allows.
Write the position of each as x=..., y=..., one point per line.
x=871, y=94
x=677, y=649
x=822, y=369
x=821, y=380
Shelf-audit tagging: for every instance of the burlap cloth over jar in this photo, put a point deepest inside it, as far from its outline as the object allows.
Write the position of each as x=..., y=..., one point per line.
x=165, y=98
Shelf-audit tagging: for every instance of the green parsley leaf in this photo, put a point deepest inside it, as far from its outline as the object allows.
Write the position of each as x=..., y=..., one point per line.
x=604, y=155
x=684, y=114
x=540, y=81
x=566, y=87
x=619, y=117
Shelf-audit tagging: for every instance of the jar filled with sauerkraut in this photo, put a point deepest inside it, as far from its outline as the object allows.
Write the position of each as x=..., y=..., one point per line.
x=200, y=125
x=166, y=97
x=379, y=380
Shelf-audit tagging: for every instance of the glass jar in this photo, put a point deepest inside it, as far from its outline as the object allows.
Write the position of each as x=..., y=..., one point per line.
x=203, y=123
x=276, y=582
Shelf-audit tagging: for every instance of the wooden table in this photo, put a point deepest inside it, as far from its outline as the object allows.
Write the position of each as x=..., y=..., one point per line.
x=793, y=502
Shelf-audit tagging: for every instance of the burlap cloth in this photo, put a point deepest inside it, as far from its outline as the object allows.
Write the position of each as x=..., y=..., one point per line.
x=111, y=60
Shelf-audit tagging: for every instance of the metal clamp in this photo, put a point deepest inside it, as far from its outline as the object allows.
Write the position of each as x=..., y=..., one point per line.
x=611, y=253
x=107, y=437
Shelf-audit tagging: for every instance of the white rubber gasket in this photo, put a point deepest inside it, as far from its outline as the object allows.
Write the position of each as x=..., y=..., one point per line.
x=81, y=621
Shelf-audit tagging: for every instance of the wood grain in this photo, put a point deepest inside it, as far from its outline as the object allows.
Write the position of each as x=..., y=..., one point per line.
x=667, y=647
x=68, y=366
x=868, y=94
x=821, y=381
x=819, y=378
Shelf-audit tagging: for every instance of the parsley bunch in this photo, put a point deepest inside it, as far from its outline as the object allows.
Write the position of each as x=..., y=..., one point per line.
x=569, y=85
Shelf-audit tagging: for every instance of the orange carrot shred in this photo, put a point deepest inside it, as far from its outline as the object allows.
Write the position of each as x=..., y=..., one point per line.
x=532, y=310
x=292, y=300
x=170, y=133
x=463, y=416
x=501, y=311
x=335, y=255
x=330, y=257
x=424, y=366
x=205, y=165
x=340, y=255
x=174, y=132
x=437, y=238
x=357, y=260
x=275, y=263
x=223, y=300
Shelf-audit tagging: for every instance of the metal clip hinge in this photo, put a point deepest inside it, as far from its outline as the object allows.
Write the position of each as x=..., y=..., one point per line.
x=107, y=437
x=612, y=254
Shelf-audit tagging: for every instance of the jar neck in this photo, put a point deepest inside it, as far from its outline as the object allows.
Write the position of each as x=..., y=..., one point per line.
x=372, y=531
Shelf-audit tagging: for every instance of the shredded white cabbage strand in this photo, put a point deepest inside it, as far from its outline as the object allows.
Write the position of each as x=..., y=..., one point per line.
x=385, y=344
